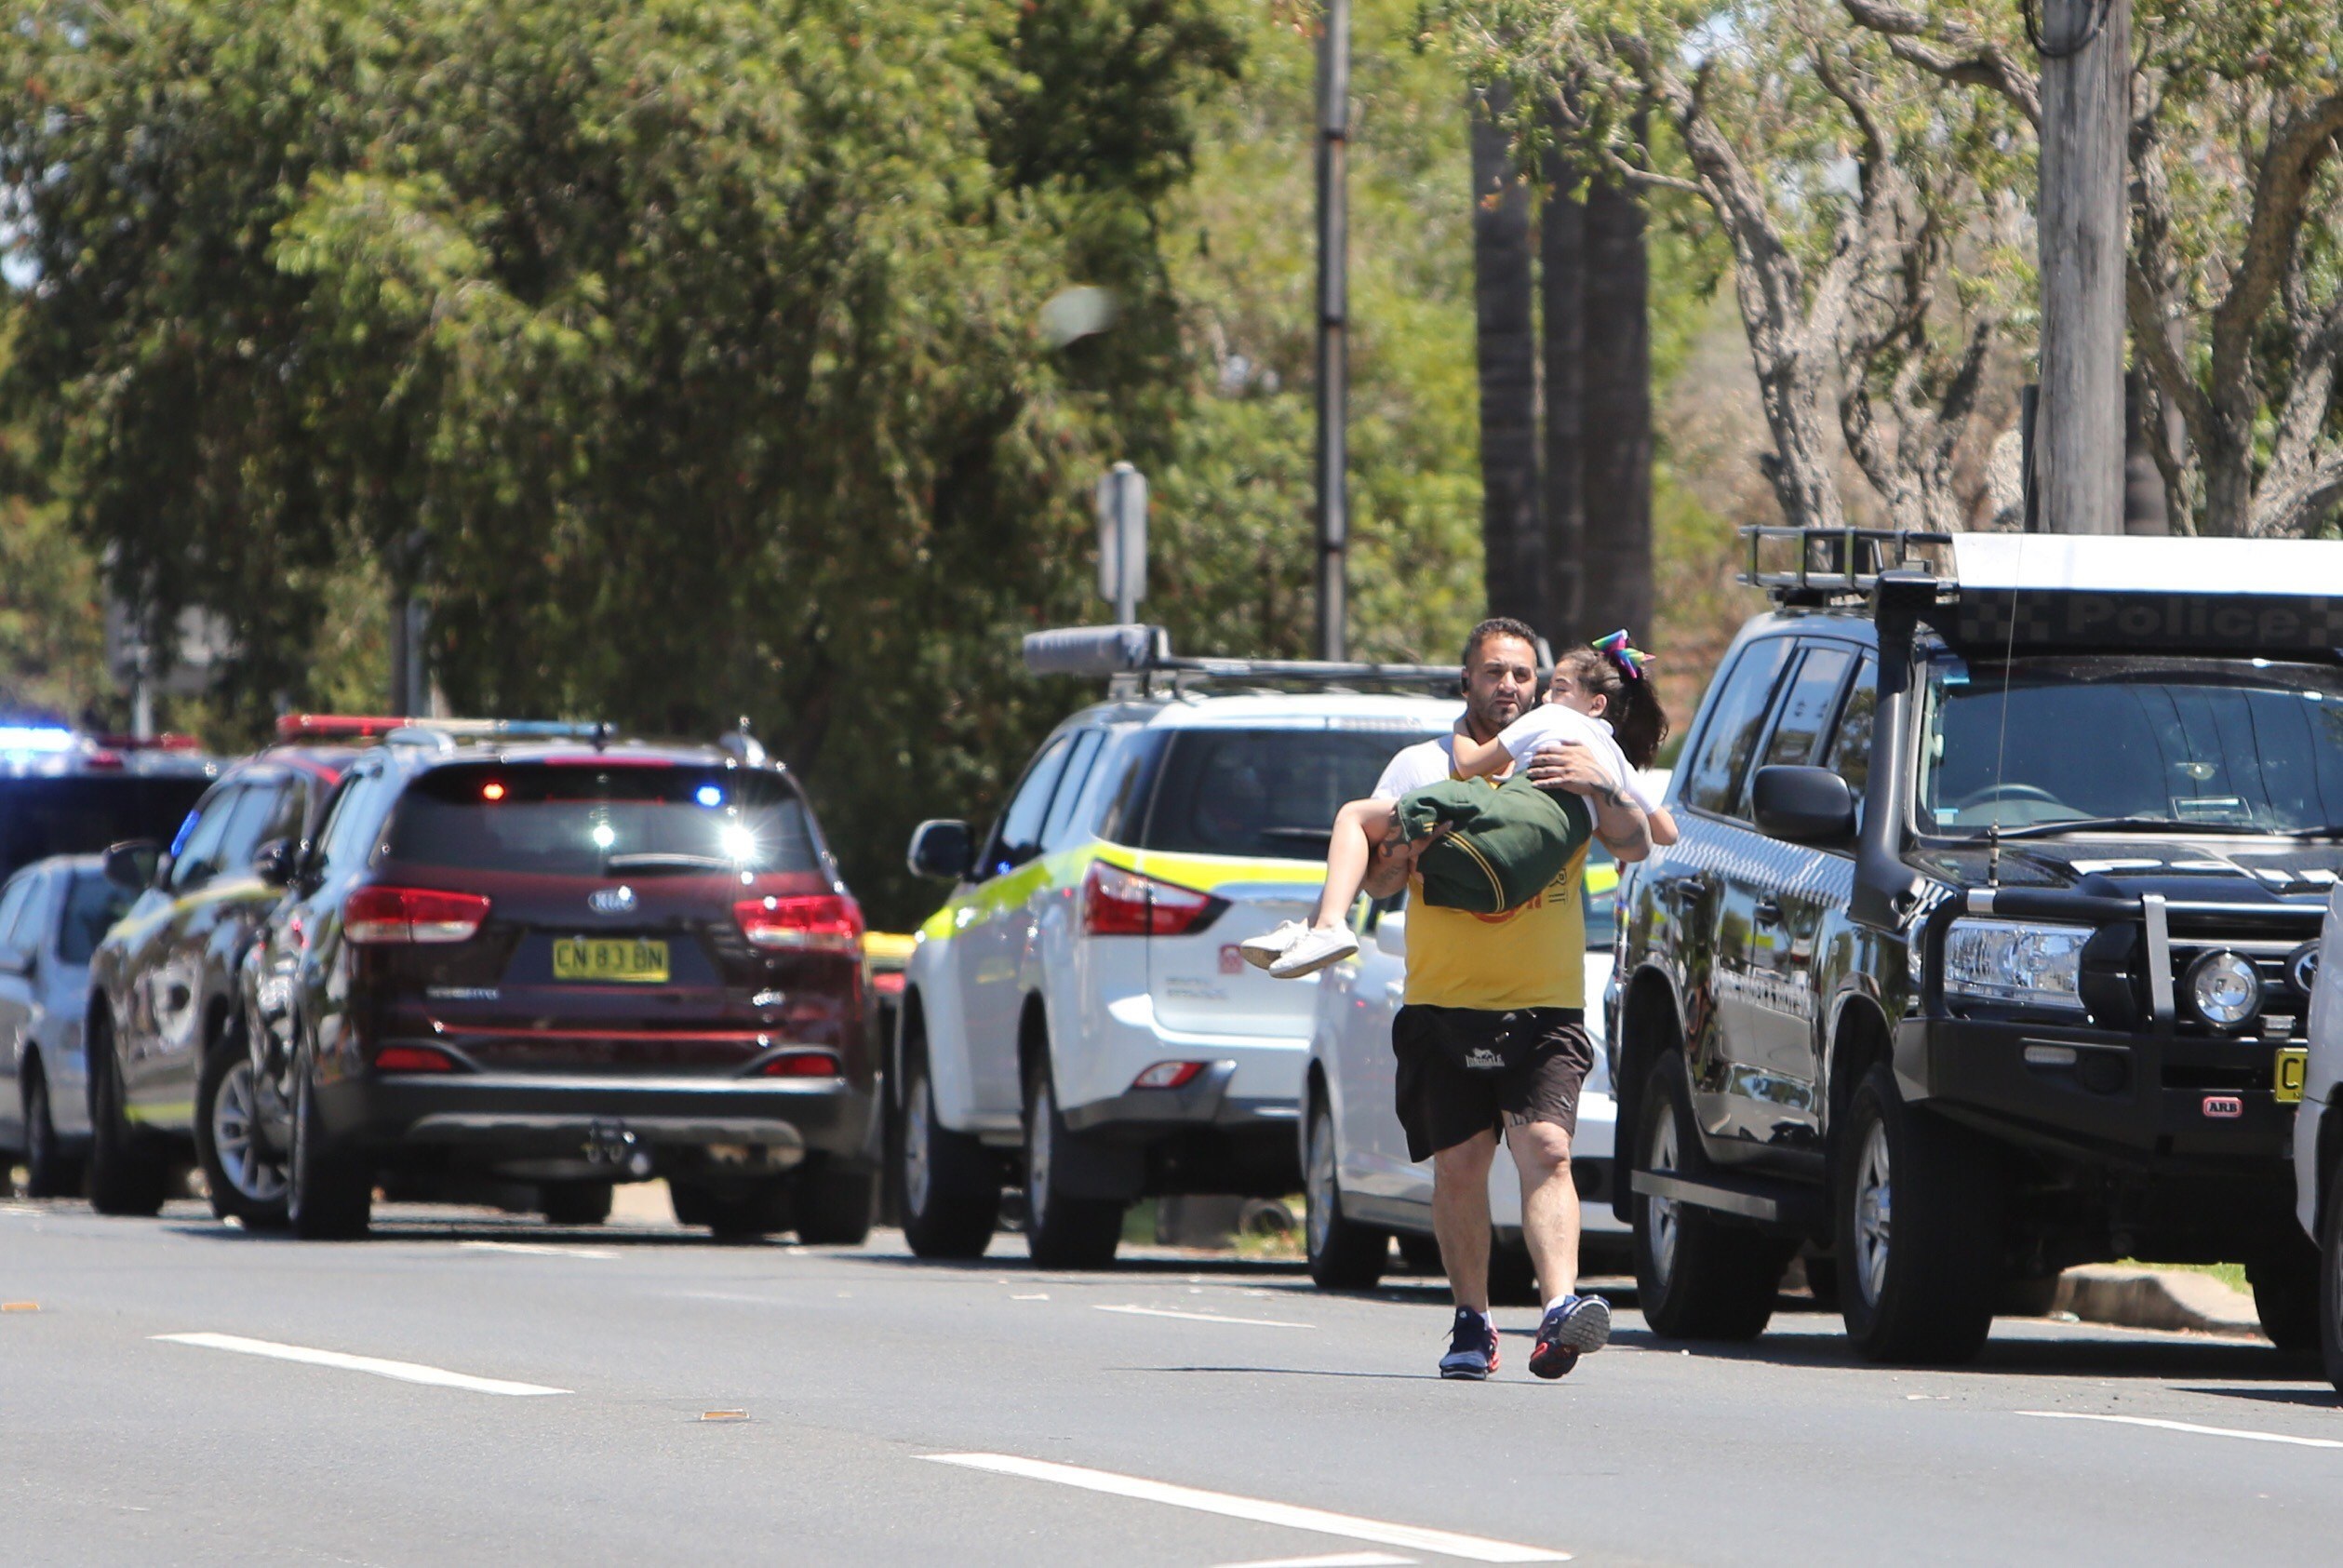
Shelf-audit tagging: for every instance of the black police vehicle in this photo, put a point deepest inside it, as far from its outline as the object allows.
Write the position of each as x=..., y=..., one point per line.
x=1986, y=949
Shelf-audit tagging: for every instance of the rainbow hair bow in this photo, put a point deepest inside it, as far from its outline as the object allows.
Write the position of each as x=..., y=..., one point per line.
x=1629, y=659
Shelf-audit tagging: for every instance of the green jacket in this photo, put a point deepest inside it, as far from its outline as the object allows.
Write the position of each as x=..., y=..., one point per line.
x=1508, y=844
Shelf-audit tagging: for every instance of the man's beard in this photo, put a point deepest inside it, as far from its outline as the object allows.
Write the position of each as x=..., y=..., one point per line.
x=1492, y=714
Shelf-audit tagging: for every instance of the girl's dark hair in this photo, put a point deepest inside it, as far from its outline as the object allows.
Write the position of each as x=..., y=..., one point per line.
x=1631, y=706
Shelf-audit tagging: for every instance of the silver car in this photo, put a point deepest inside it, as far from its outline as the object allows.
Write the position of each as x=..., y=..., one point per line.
x=52, y=915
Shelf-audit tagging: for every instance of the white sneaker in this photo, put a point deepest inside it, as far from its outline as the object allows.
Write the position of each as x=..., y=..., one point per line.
x=1314, y=952
x=1267, y=949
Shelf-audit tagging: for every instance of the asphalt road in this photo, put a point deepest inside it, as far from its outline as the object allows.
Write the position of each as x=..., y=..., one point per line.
x=632, y=1394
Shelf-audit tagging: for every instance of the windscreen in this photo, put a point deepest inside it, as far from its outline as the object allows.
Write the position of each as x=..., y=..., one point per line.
x=1269, y=792
x=92, y=906
x=2223, y=745
x=588, y=820
x=81, y=814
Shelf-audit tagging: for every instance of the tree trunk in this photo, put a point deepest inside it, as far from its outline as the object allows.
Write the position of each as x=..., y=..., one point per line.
x=1512, y=541
x=1561, y=296
x=1617, y=423
x=2084, y=233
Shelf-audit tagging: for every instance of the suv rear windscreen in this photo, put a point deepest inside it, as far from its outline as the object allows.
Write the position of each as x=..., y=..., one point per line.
x=585, y=820
x=1269, y=792
x=81, y=814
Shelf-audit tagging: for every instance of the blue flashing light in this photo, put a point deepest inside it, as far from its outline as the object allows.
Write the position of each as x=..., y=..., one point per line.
x=709, y=795
x=37, y=737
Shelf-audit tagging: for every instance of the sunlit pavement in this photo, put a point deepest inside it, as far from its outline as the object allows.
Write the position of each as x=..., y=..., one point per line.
x=468, y=1387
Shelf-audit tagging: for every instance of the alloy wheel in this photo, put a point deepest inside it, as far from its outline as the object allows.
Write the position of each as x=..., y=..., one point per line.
x=918, y=1170
x=1318, y=1205
x=257, y=1172
x=1873, y=1213
x=1037, y=1155
x=1660, y=1212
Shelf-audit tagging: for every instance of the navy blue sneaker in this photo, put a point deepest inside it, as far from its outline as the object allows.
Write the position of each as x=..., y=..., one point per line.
x=1577, y=1325
x=1472, y=1346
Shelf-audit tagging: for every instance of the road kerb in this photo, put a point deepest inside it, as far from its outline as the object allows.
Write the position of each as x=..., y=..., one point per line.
x=2157, y=1298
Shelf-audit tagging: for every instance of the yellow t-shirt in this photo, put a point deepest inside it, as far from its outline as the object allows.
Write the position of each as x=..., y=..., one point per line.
x=1534, y=955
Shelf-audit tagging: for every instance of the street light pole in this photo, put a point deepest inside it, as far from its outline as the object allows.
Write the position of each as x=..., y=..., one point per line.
x=1333, y=311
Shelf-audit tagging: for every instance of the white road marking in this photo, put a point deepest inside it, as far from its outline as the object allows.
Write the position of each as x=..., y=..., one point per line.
x=1209, y=1318
x=2185, y=1427
x=538, y=1249
x=1474, y=1549
x=404, y=1371
x=1332, y=1560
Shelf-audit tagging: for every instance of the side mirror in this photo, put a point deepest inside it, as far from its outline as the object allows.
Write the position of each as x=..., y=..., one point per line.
x=276, y=861
x=941, y=848
x=132, y=863
x=1803, y=805
x=1391, y=932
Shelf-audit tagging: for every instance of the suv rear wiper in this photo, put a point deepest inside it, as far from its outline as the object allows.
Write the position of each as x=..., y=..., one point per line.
x=2119, y=824
x=654, y=860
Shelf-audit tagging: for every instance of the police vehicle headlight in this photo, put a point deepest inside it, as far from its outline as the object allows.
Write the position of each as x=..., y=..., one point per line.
x=2009, y=961
x=2225, y=989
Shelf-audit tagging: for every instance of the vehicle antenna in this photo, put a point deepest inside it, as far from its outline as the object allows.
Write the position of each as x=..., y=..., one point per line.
x=2001, y=746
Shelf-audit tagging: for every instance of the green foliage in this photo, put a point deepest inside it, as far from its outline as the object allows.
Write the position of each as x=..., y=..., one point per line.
x=682, y=355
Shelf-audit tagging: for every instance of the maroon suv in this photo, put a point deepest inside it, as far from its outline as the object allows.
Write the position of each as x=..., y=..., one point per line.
x=571, y=964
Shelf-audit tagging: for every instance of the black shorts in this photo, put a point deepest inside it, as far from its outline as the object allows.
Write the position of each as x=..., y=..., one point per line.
x=1463, y=1071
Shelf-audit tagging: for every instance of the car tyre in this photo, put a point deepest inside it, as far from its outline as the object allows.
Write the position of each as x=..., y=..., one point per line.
x=834, y=1202
x=1344, y=1254
x=128, y=1175
x=329, y=1195
x=1061, y=1231
x=49, y=1172
x=1696, y=1275
x=575, y=1203
x=247, y=1183
x=951, y=1188
x=1919, y=1211
x=2330, y=1279
x=2286, y=1283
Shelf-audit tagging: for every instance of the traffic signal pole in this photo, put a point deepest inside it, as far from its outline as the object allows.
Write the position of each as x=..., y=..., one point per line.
x=1333, y=311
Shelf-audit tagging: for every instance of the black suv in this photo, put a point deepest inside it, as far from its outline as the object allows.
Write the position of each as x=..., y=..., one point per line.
x=169, y=1074
x=568, y=963
x=2003, y=862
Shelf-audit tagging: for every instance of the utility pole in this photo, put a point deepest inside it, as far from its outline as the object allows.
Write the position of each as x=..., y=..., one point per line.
x=1333, y=314
x=2078, y=473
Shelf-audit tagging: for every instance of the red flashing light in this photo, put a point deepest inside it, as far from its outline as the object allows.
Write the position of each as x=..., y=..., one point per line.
x=105, y=757
x=412, y=1059
x=887, y=983
x=336, y=726
x=822, y=923
x=383, y=916
x=1120, y=902
x=1167, y=1075
x=802, y=1063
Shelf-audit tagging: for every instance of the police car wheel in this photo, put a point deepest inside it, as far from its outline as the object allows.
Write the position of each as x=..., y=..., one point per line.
x=1917, y=1214
x=1061, y=1230
x=2285, y=1281
x=951, y=1189
x=1344, y=1256
x=1698, y=1276
x=127, y=1172
x=2330, y=1279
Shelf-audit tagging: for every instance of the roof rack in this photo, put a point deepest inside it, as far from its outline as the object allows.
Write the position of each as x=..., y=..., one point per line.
x=1818, y=565
x=296, y=726
x=1145, y=651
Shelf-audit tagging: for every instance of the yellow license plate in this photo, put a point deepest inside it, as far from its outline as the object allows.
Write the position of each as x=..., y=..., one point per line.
x=619, y=958
x=2294, y=1065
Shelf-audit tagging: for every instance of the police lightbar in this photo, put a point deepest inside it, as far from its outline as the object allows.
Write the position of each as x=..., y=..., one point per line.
x=1141, y=651
x=294, y=727
x=38, y=738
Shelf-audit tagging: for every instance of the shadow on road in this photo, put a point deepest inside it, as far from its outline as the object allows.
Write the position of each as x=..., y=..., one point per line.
x=2323, y=1396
